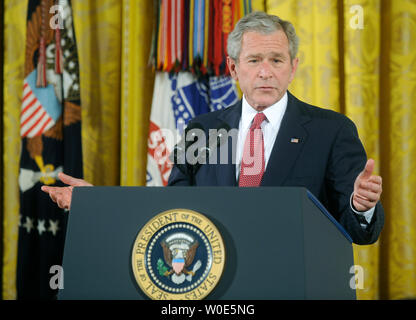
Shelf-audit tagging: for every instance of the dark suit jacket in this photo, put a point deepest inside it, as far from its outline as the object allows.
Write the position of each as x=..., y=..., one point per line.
x=326, y=160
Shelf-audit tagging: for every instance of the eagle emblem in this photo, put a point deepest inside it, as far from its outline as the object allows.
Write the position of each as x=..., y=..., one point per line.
x=178, y=261
x=179, y=251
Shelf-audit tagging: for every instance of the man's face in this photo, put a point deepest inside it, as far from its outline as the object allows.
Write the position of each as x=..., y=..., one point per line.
x=264, y=69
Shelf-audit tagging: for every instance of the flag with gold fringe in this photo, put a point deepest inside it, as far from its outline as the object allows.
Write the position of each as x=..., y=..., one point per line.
x=189, y=54
x=50, y=128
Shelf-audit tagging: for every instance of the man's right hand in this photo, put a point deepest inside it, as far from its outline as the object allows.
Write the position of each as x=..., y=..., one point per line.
x=63, y=195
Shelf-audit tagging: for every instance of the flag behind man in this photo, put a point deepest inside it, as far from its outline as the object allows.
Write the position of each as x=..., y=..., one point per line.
x=50, y=128
x=189, y=52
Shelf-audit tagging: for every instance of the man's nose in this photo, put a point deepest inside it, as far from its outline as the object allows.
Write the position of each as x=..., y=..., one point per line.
x=265, y=70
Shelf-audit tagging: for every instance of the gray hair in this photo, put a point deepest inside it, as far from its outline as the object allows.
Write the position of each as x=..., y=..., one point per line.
x=264, y=23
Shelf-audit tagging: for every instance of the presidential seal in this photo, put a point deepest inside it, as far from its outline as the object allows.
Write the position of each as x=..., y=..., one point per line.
x=178, y=254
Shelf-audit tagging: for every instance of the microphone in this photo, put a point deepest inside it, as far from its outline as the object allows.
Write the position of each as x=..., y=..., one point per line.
x=179, y=153
x=189, y=155
x=217, y=137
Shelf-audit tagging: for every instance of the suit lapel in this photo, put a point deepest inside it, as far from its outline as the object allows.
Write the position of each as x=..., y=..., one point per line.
x=285, y=150
x=289, y=142
x=226, y=172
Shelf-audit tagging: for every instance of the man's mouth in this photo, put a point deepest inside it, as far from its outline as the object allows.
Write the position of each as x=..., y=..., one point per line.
x=265, y=88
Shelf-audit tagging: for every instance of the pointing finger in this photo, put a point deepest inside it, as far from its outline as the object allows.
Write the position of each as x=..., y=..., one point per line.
x=72, y=181
x=67, y=179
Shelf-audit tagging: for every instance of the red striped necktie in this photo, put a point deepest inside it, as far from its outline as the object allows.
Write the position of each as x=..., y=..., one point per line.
x=252, y=164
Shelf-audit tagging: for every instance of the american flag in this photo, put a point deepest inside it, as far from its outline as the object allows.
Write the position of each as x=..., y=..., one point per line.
x=36, y=117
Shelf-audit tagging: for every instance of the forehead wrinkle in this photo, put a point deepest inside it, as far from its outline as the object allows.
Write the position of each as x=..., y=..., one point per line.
x=251, y=41
x=272, y=54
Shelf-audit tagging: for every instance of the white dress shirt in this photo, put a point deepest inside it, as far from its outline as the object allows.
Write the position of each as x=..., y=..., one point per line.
x=270, y=128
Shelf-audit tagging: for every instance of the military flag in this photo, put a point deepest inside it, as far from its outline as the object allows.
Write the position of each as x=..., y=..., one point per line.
x=50, y=128
x=189, y=54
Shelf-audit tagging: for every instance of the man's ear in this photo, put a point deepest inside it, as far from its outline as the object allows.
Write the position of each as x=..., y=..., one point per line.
x=294, y=63
x=232, y=67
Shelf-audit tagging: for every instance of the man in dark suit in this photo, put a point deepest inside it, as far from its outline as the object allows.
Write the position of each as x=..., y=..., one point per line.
x=280, y=140
x=296, y=144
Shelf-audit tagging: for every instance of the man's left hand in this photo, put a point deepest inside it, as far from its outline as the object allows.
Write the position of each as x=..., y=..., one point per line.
x=367, y=188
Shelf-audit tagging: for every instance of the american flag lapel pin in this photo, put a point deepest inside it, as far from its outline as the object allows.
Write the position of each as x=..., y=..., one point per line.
x=295, y=140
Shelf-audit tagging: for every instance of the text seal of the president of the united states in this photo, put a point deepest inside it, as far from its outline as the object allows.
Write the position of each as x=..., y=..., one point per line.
x=178, y=254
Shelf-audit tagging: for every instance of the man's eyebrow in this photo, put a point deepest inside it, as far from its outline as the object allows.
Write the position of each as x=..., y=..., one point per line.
x=254, y=55
x=278, y=54
x=261, y=55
